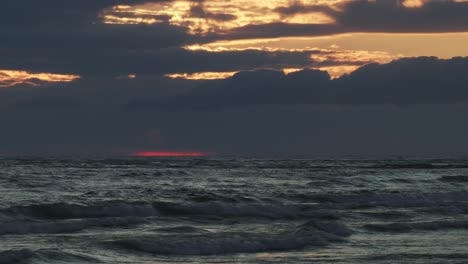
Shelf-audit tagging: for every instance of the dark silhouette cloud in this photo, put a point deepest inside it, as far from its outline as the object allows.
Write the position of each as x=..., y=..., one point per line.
x=366, y=16
x=392, y=16
x=410, y=106
x=251, y=88
x=70, y=37
x=424, y=80
x=160, y=61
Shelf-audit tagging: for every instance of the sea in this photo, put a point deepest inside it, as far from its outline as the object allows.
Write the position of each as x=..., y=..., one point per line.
x=233, y=210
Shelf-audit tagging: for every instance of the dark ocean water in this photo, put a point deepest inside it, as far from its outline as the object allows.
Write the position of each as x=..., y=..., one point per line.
x=233, y=211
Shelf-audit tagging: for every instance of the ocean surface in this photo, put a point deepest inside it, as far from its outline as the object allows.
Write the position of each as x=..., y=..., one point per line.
x=186, y=210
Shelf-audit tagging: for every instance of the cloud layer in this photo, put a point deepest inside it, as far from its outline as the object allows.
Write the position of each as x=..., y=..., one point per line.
x=88, y=77
x=415, y=104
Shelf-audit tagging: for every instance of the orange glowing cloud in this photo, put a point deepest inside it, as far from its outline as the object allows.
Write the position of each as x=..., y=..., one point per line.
x=334, y=71
x=216, y=16
x=171, y=154
x=201, y=75
x=9, y=78
x=333, y=59
x=353, y=56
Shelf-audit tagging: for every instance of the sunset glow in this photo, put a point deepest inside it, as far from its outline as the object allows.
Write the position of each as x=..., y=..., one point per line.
x=9, y=78
x=114, y=76
x=413, y=3
x=334, y=71
x=201, y=75
x=217, y=16
x=338, y=52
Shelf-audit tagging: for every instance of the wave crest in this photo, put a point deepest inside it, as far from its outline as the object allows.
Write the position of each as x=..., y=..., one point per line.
x=310, y=234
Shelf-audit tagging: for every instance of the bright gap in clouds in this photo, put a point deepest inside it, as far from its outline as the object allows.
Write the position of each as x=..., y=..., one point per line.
x=356, y=48
x=443, y=45
x=334, y=71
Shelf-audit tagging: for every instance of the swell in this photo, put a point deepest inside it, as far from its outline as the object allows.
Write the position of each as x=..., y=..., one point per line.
x=77, y=211
x=423, y=226
x=245, y=209
x=392, y=200
x=58, y=227
x=15, y=256
x=410, y=257
x=26, y=255
x=418, y=165
x=142, y=209
x=313, y=233
x=460, y=178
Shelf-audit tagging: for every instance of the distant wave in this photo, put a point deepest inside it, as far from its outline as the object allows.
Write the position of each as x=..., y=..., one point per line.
x=411, y=165
x=257, y=209
x=393, y=200
x=15, y=256
x=57, y=227
x=418, y=256
x=26, y=255
x=426, y=226
x=182, y=229
x=310, y=234
x=77, y=211
x=141, y=209
x=454, y=178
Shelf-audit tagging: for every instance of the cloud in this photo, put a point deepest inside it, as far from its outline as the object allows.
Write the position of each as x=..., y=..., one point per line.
x=424, y=80
x=199, y=12
x=393, y=16
x=69, y=37
x=365, y=16
x=74, y=39
x=410, y=106
x=251, y=88
x=115, y=62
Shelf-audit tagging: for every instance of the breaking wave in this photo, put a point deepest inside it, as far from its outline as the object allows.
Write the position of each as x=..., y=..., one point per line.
x=310, y=234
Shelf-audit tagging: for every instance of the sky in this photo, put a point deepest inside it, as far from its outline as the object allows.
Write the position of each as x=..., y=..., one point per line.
x=277, y=78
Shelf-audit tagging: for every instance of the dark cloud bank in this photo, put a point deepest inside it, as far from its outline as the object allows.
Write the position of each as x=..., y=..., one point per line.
x=70, y=36
x=367, y=16
x=424, y=80
x=410, y=106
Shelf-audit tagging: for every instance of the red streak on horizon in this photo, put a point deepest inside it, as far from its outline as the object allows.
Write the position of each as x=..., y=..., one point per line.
x=170, y=154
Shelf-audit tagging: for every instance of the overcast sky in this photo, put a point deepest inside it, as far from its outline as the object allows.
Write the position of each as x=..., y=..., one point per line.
x=292, y=78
